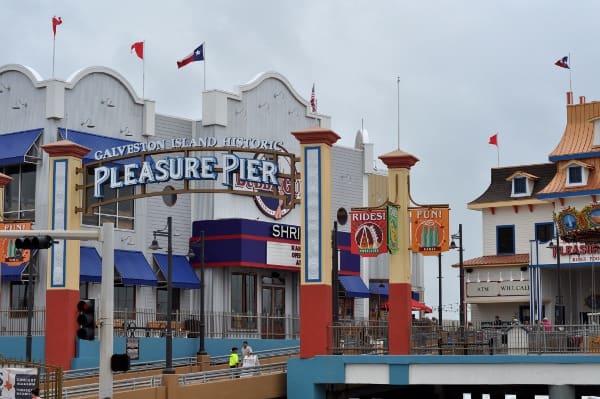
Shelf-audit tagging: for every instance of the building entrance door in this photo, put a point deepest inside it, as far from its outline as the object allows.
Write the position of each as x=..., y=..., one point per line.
x=273, y=308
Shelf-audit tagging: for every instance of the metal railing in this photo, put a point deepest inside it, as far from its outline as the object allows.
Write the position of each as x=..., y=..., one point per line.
x=148, y=322
x=128, y=384
x=228, y=374
x=368, y=337
x=181, y=362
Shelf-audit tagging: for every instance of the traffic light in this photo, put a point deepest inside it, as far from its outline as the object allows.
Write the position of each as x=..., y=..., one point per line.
x=34, y=242
x=86, y=319
x=119, y=362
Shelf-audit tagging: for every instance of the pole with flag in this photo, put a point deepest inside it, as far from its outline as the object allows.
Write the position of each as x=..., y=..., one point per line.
x=196, y=55
x=564, y=63
x=494, y=141
x=138, y=47
x=55, y=22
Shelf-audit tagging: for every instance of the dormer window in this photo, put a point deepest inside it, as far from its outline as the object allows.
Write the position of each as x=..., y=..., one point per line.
x=522, y=184
x=577, y=173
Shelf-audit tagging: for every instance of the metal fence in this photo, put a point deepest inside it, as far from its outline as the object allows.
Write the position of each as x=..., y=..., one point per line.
x=148, y=322
x=368, y=337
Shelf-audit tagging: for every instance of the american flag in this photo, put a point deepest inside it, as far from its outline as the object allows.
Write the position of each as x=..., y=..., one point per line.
x=313, y=100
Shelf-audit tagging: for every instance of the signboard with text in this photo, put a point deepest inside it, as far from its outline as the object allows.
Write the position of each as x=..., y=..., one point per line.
x=429, y=230
x=368, y=231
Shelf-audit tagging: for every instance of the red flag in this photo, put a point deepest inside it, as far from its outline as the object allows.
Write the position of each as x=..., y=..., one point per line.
x=494, y=139
x=55, y=21
x=138, y=47
x=313, y=100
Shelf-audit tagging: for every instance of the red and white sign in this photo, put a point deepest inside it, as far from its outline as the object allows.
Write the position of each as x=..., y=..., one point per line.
x=368, y=232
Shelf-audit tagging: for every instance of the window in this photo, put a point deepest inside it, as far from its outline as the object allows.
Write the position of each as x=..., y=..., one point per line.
x=19, y=195
x=575, y=174
x=161, y=302
x=544, y=232
x=18, y=299
x=120, y=213
x=243, y=300
x=505, y=240
x=124, y=303
x=520, y=185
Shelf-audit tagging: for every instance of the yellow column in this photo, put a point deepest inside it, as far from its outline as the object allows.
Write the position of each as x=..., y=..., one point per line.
x=316, y=225
x=62, y=292
x=400, y=291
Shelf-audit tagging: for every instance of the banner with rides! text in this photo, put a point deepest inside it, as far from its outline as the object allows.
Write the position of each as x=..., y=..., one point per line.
x=429, y=230
x=368, y=231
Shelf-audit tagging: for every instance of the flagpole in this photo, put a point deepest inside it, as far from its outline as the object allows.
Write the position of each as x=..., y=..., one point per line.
x=53, y=53
x=143, y=70
x=570, y=63
x=398, y=83
x=204, y=53
x=498, y=153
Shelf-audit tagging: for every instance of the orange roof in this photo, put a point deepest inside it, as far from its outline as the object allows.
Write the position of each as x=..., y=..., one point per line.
x=558, y=184
x=579, y=132
x=497, y=261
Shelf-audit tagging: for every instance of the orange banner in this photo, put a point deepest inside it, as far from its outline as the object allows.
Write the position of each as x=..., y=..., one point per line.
x=9, y=254
x=429, y=230
x=368, y=232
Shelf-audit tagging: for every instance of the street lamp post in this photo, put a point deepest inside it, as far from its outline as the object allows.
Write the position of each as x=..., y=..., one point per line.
x=461, y=266
x=169, y=333
x=559, y=306
x=334, y=271
x=440, y=289
x=191, y=254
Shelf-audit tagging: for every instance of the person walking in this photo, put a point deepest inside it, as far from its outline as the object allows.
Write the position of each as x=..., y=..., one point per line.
x=246, y=350
x=234, y=359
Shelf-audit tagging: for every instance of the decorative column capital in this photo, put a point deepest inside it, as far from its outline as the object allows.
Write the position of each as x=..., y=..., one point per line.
x=398, y=160
x=65, y=148
x=316, y=136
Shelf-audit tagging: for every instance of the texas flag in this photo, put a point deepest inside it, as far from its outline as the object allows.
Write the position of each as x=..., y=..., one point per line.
x=197, y=55
x=563, y=62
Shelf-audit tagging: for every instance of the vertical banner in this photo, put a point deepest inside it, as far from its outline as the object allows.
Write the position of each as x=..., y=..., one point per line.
x=392, y=228
x=9, y=254
x=368, y=231
x=17, y=383
x=429, y=230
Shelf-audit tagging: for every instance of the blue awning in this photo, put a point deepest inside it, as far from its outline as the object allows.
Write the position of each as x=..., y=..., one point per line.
x=379, y=288
x=133, y=268
x=13, y=273
x=182, y=273
x=97, y=143
x=16, y=148
x=90, y=270
x=354, y=286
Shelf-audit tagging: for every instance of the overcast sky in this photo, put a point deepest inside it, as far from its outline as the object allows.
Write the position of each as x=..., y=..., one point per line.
x=467, y=69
